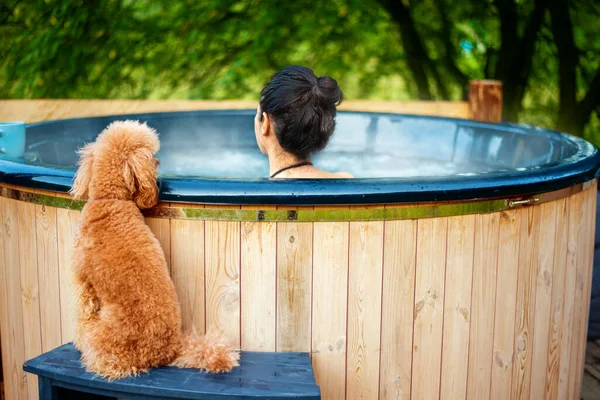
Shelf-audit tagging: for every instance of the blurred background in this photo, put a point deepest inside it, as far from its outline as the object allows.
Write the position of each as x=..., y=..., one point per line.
x=546, y=53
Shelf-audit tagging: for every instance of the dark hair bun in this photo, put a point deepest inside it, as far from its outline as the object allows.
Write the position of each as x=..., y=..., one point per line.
x=303, y=109
x=328, y=91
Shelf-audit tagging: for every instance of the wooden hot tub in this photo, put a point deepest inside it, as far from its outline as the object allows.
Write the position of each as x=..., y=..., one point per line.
x=462, y=286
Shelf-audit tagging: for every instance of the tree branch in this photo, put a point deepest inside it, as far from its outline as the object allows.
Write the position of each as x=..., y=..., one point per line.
x=592, y=98
x=450, y=51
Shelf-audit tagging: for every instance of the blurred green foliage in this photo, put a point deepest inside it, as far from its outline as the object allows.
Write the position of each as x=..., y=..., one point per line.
x=547, y=58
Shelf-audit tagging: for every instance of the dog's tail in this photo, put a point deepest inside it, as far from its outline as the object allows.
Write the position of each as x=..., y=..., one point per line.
x=210, y=352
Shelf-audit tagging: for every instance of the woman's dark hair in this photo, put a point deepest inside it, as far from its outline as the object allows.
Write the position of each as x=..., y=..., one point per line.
x=302, y=108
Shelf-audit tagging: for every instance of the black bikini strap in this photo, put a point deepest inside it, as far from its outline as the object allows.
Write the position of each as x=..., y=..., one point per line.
x=300, y=164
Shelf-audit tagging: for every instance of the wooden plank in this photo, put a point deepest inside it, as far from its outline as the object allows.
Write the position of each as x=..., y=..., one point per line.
x=457, y=307
x=67, y=225
x=364, y=309
x=222, y=269
x=526, y=286
x=161, y=227
x=506, y=297
x=187, y=271
x=30, y=287
x=543, y=302
x=16, y=387
x=400, y=250
x=330, y=291
x=429, y=303
x=589, y=209
x=483, y=305
x=556, y=333
x=43, y=110
x=294, y=285
x=566, y=380
x=258, y=284
x=5, y=350
x=47, y=264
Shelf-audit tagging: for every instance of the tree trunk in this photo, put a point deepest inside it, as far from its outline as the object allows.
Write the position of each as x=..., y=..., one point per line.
x=416, y=56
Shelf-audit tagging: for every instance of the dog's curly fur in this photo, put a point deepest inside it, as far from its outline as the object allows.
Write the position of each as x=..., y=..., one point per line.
x=129, y=319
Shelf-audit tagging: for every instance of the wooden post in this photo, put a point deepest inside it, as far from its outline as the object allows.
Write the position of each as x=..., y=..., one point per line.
x=485, y=101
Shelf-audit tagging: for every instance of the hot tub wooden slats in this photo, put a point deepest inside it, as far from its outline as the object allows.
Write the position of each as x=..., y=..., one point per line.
x=13, y=340
x=457, y=307
x=364, y=308
x=258, y=264
x=428, y=304
x=222, y=272
x=474, y=306
x=506, y=297
x=67, y=221
x=330, y=306
x=543, y=302
x=294, y=285
x=558, y=298
x=31, y=298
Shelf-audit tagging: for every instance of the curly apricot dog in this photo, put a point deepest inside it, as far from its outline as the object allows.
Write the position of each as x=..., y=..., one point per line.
x=129, y=318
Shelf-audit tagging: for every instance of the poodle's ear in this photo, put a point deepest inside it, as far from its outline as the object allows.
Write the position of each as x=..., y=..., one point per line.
x=140, y=178
x=80, y=189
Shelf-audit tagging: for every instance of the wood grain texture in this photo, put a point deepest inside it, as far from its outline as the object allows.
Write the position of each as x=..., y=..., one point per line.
x=506, y=296
x=187, y=271
x=457, y=307
x=526, y=287
x=557, y=332
x=543, y=303
x=30, y=287
x=258, y=285
x=5, y=357
x=67, y=225
x=566, y=380
x=364, y=309
x=12, y=339
x=400, y=250
x=585, y=266
x=485, y=100
x=43, y=110
x=483, y=305
x=330, y=305
x=429, y=303
x=222, y=269
x=294, y=285
x=47, y=264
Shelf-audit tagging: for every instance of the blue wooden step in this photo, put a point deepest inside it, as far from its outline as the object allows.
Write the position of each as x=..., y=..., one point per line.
x=259, y=376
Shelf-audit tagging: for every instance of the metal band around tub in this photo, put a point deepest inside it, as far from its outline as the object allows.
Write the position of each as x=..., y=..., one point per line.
x=381, y=213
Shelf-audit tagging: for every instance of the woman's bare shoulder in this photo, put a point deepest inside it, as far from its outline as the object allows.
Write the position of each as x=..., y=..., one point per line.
x=343, y=175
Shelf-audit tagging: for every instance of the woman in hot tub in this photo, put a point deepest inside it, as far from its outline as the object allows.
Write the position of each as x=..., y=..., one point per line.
x=294, y=119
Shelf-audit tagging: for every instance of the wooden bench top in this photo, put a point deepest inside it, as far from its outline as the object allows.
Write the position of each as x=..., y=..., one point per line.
x=260, y=375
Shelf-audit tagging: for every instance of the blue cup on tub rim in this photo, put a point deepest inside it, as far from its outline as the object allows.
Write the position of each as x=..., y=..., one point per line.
x=12, y=139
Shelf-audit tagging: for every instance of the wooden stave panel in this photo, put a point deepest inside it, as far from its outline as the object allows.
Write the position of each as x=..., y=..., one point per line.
x=429, y=303
x=483, y=304
x=30, y=288
x=294, y=285
x=222, y=277
x=258, y=283
x=12, y=339
x=545, y=277
x=329, y=322
x=457, y=307
x=559, y=287
x=506, y=298
x=365, y=274
x=400, y=250
x=48, y=273
x=67, y=225
x=188, y=272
